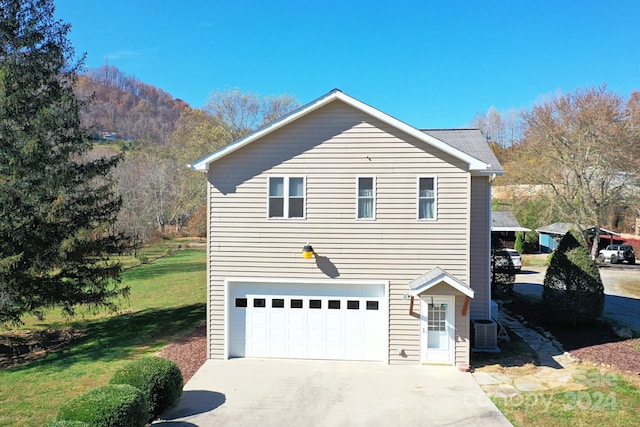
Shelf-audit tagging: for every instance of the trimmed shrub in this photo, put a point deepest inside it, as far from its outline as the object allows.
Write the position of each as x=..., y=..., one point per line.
x=531, y=244
x=519, y=243
x=159, y=379
x=113, y=405
x=572, y=291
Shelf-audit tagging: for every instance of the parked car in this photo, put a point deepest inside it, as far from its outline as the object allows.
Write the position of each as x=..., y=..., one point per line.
x=617, y=253
x=517, y=260
x=503, y=273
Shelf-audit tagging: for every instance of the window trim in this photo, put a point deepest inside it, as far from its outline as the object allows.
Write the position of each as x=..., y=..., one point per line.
x=435, y=197
x=375, y=200
x=285, y=191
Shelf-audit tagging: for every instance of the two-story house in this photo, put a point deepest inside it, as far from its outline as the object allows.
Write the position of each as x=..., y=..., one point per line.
x=395, y=224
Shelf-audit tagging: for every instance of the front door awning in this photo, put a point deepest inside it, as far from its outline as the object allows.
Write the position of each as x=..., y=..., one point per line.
x=436, y=277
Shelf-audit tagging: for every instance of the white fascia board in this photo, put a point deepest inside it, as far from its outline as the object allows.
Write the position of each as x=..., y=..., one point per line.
x=443, y=278
x=203, y=163
x=473, y=163
x=525, y=229
x=613, y=233
x=488, y=172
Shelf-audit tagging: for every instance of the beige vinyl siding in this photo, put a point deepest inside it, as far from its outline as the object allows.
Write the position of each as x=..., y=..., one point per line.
x=480, y=240
x=463, y=337
x=330, y=148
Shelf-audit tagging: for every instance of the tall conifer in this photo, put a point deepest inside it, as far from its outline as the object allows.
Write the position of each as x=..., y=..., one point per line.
x=57, y=206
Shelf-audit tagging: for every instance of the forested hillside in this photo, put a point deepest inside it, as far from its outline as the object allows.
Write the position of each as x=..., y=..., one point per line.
x=159, y=193
x=121, y=107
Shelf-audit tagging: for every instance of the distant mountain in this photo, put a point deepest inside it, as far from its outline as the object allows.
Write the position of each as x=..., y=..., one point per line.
x=122, y=107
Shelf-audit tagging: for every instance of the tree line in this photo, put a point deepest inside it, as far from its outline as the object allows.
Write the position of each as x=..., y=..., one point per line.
x=579, y=153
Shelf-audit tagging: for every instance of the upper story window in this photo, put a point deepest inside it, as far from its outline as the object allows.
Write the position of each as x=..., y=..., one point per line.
x=286, y=197
x=366, y=198
x=426, y=198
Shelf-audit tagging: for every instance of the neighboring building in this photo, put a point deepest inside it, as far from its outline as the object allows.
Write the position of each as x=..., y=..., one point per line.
x=399, y=220
x=504, y=227
x=550, y=235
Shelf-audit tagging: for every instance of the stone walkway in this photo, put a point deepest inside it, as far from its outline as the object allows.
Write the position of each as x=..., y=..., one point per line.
x=556, y=370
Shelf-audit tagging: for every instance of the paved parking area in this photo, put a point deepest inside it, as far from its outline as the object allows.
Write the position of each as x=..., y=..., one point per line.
x=275, y=392
x=620, y=303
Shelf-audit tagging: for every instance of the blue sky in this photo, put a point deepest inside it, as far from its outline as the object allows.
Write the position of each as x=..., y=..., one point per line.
x=432, y=64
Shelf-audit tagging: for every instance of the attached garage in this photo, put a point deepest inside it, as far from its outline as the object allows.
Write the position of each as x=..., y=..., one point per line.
x=336, y=320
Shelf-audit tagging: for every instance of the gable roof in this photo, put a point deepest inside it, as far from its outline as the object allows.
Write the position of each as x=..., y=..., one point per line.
x=474, y=164
x=505, y=221
x=435, y=277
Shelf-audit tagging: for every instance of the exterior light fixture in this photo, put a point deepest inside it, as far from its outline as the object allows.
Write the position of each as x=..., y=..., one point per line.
x=307, y=251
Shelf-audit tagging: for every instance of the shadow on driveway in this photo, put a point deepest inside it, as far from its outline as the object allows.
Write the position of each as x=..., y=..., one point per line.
x=193, y=402
x=279, y=392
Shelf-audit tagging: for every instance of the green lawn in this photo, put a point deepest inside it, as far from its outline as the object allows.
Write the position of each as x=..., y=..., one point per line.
x=167, y=299
x=606, y=400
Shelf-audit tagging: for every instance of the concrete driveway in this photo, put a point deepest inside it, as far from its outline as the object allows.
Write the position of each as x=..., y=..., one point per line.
x=275, y=392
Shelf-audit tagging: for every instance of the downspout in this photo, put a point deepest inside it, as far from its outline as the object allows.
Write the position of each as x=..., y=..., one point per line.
x=492, y=178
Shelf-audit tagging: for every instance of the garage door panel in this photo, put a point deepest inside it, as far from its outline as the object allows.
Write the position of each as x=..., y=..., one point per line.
x=307, y=324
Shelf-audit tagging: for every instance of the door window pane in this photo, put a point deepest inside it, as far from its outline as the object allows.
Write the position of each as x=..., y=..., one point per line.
x=437, y=327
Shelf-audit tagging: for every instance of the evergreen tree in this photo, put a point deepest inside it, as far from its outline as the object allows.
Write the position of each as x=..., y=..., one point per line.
x=572, y=291
x=519, y=244
x=57, y=206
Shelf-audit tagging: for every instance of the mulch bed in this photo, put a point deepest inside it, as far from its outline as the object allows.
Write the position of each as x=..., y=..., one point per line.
x=595, y=343
x=189, y=352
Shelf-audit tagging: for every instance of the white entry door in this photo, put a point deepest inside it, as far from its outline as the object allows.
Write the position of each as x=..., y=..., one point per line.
x=437, y=324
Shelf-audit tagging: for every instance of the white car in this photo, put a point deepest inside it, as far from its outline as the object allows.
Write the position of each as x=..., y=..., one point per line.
x=515, y=257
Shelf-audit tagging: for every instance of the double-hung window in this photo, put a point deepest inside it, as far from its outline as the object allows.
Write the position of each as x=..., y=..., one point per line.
x=286, y=197
x=427, y=198
x=366, y=198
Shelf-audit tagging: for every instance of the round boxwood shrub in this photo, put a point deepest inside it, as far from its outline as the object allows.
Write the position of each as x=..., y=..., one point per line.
x=159, y=379
x=113, y=405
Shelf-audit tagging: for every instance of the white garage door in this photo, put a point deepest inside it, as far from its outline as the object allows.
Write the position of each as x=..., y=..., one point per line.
x=345, y=322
